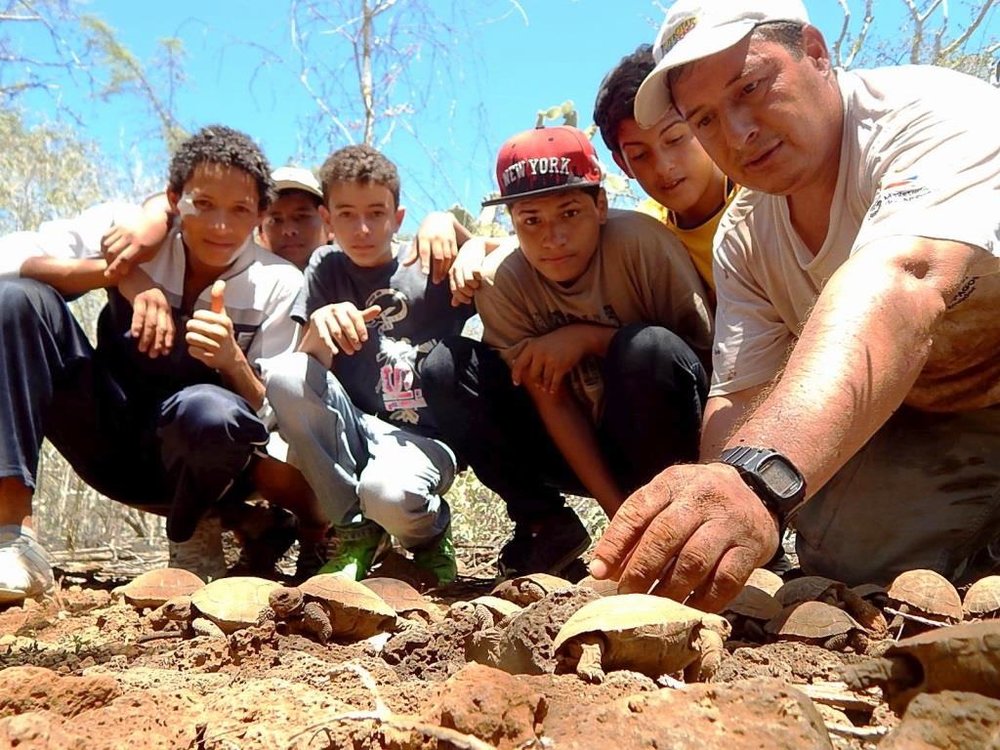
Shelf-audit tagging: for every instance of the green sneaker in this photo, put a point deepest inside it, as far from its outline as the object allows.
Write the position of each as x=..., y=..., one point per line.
x=438, y=557
x=353, y=549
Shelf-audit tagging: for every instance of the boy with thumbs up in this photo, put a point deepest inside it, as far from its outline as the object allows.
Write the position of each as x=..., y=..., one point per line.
x=172, y=434
x=350, y=402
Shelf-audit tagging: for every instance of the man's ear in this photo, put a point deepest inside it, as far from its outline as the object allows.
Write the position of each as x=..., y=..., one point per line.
x=400, y=214
x=622, y=163
x=815, y=48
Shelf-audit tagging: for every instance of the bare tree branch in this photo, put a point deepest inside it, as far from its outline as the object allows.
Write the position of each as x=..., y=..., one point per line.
x=963, y=38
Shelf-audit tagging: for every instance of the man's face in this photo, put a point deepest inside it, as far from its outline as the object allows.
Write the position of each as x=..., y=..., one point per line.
x=218, y=210
x=559, y=233
x=293, y=228
x=671, y=166
x=770, y=121
x=363, y=217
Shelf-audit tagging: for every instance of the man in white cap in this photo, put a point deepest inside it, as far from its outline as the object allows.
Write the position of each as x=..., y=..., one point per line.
x=294, y=226
x=856, y=386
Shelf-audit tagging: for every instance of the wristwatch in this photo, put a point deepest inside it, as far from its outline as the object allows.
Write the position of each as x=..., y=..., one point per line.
x=772, y=477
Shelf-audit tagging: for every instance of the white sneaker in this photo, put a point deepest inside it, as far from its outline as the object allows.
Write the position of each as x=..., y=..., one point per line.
x=24, y=567
x=201, y=554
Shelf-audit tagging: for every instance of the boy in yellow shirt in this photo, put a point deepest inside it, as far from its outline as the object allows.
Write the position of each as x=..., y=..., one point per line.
x=687, y=191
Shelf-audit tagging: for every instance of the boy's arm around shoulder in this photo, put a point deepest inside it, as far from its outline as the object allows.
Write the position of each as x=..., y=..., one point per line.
x=64, y=253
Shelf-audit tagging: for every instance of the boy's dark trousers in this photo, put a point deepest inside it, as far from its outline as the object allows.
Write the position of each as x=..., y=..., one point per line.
x=655, y=390
x=175, y=457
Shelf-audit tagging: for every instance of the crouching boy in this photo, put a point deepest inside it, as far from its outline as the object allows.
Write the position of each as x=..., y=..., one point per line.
x=603, y=323
x=350, y=401
x=172, y=434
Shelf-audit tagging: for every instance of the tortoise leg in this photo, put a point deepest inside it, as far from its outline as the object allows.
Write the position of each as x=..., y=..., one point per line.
x=589, y=666
x=711, y=646
x=837, y=642
x=316, y=621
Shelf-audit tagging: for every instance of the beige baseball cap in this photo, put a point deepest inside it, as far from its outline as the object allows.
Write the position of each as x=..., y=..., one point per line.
x=296, y=178
x=694, y=29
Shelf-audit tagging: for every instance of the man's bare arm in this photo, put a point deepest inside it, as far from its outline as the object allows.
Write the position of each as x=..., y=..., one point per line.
x=859, y=354
x=723, y=415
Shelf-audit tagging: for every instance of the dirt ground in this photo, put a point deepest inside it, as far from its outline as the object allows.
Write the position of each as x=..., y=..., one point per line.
x=85, y=669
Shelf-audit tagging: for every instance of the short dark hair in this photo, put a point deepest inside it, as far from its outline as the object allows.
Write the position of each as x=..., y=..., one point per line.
x=616, y=95
x=786, y=33
x=359, y=163
x=217, y=144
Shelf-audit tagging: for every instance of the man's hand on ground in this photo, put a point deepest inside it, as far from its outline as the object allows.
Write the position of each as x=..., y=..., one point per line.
x=695, y=529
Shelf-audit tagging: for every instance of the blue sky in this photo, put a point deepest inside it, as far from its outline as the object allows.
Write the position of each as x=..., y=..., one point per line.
x=505, y=66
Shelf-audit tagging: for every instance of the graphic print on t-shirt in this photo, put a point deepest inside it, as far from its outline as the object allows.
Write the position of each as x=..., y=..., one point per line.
x=397, y=358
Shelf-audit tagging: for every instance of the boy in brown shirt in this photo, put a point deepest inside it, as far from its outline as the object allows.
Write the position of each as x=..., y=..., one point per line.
x=602, y=318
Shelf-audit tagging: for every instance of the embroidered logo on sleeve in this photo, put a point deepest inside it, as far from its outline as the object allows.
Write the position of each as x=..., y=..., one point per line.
x=901, y=190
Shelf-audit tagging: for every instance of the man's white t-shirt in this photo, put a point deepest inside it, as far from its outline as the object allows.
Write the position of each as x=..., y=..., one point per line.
x=920, y=156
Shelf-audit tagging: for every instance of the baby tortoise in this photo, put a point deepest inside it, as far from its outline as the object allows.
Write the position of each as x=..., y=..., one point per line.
x=748, y=612
x=819, y=624
x=231, y=603
x=804, y=589
x=155, y=587
x=923, y=598
x=961, y=657
x=352, y=610
x=405, y=600
x=765, y=580
x=528, y=589
x=982, y=600
x=643, y=633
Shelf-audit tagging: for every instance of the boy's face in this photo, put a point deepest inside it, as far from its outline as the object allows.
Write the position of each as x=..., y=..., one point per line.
x=293, y=228
x=559, y=233
x=363, y=217
x=671, y=166
x=218, y=210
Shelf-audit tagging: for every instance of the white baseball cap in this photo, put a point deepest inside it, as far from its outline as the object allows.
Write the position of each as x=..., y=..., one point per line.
x=694, y=29
x=296, y=178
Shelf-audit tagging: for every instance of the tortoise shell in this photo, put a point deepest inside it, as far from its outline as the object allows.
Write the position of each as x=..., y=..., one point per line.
x=233, y=603
x=811, y=621
x=400, y=595
x=528, y=589
x=754, y=603
x=765, y=580
x=928, y=593
x=155, y=587
x=603, y=586
x=804, y=589
x=982, y=600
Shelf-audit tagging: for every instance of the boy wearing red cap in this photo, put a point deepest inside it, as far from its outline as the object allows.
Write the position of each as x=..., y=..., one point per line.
x=602, y=318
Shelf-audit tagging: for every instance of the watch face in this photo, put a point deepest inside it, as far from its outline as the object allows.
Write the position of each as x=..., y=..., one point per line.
x=780, y=478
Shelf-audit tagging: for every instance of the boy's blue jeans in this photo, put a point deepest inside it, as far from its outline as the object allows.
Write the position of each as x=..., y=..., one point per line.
x=175, y=458
x=358, y=465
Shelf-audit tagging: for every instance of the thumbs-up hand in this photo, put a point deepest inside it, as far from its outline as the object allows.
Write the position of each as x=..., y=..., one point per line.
x=218, y=294
x=209, y=333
